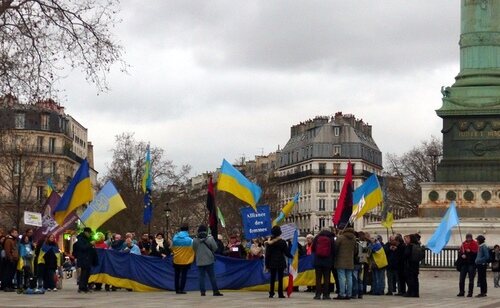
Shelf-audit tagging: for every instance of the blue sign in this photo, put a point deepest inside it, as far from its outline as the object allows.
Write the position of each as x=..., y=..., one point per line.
x=256, y=224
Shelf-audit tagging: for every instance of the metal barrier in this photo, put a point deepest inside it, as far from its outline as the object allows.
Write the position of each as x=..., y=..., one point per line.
x=444, y=259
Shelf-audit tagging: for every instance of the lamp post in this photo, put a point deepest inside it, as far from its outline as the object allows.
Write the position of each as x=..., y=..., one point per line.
x=167, y=216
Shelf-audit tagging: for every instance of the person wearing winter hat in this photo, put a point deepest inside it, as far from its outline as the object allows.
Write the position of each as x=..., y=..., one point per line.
x=276, y=250
x=204, y=247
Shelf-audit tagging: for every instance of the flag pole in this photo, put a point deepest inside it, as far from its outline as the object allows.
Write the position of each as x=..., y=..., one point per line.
x=459, y=230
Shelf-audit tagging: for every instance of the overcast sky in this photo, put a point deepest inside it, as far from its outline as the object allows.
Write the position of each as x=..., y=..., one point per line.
x=222, y=79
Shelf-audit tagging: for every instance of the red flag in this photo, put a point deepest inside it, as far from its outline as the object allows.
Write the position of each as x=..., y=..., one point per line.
x=212, y=209
x=343, y=212
x=49, y=225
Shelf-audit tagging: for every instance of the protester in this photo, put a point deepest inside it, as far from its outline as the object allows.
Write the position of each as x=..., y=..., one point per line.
x=130, y=247
x=482, y=259
x=182, y=247
x=360, y=259
x=308, y=251
x=467, y=264
x=100, y=243
x=390, y=249
x=11, y=259
x=145, y=245
x=38, y=269
x=50, y=257
x=400, y=255
x=322, y=249
x=86, y=257
x=276, y=250
x=377, y=267
x=413, y=256
x=344, y=262
x=204, y=247
x=26, y=263
x=495, y=265
x=235, y=249
x=159, y=247
x=256, y=250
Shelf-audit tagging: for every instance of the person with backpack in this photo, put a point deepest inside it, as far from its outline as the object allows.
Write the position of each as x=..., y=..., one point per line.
x=322, y=248
x=344, y=261
x=276, y=251
x=204, y=247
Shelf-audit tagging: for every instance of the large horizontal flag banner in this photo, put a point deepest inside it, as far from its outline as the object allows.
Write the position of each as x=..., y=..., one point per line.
x=256, y=223
x=79, y=192
x=232, y=181
x=366, y=197
x=106, y=204
x=145, y=273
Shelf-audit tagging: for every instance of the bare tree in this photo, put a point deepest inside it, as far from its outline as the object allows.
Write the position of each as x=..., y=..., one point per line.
x=40, y=40
x=408, y=171
x=17, y=176
x=126, y=171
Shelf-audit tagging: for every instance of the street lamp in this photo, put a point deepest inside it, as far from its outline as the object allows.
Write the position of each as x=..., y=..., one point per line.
x=167, y=215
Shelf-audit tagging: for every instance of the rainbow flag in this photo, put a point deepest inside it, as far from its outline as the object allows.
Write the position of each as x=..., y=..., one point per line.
x=232, y=181
x=78, y=193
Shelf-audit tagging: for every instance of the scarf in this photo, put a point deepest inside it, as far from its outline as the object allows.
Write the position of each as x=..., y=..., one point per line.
x=159, y=243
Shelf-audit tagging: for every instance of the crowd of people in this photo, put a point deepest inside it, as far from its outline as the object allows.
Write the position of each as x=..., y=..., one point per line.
x=360, y=264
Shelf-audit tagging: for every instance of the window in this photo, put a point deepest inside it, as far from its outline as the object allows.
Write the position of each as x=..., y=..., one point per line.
x=52, y=145
x=53, y=168
x=321, y=223
x=39, y=144
x=19, y=120
x=44, y=122
x=336, y=168
x=337, y=150
x=322, y=168
x=336, y=186
x=17, y=167
x=321, y=186
x=321, y=204
x=336, y=131
x=39, y=168
x=335, y=204
x=39, y=193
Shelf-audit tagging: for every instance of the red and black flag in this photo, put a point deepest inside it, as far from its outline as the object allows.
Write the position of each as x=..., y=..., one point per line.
x=343, y=212
x=212, y=209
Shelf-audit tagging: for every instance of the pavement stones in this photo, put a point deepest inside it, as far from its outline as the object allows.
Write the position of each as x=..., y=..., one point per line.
x=437, y=289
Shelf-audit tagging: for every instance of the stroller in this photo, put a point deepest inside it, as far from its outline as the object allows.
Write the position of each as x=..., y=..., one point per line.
x=68, y=268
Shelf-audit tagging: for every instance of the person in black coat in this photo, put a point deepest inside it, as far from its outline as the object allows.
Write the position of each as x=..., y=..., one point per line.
x=86, y=257
x=411, y=267
x=276, y=250
x=160, y=247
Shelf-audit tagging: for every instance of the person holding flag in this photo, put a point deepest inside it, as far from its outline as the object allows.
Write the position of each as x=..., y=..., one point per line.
x=276, y=251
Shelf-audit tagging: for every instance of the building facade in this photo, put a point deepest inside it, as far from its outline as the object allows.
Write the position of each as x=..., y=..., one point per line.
x=314, y=163
x=37, y=144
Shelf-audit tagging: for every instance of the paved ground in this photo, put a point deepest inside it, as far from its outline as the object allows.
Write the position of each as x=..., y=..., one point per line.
x=437, y=289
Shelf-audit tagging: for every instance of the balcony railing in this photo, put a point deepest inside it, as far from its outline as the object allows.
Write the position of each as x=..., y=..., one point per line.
x=445, y=259
x=320, y=172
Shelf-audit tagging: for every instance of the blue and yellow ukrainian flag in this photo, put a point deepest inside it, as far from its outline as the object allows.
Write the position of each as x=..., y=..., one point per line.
x=49, y=188
x=78, y=193
x=106, y=204
x=232, y=181
x=286, y=210
x=367, y=197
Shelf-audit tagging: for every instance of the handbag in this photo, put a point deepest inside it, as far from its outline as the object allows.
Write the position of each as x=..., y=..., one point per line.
x=458, y=263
